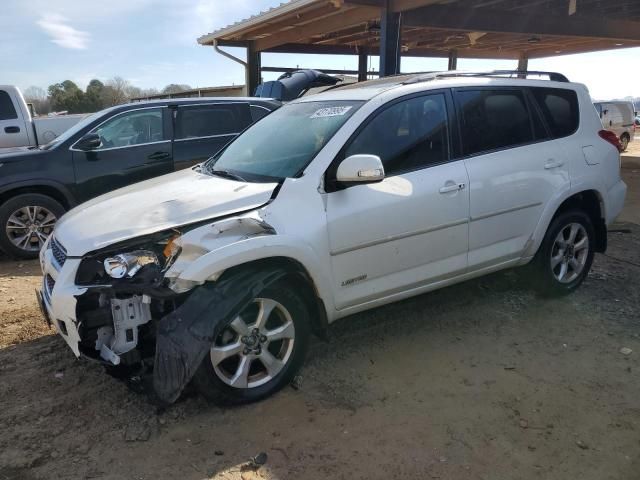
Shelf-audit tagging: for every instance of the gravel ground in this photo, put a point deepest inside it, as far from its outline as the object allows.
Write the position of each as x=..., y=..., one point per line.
x=483, y=380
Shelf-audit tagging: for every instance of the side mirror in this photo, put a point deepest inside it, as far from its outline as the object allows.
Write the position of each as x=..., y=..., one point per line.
x=360, y=169
x=89, y=142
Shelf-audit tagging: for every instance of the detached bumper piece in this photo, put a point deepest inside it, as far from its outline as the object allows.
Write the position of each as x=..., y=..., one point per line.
x=185, y=336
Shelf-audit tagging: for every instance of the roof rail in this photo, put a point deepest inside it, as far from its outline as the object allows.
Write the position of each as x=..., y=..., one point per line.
x=553, y=76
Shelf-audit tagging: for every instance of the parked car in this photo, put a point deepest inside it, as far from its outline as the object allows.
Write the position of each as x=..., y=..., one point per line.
x=20, y=127
x=619, y=118
x=120, y=146
x=334, y=204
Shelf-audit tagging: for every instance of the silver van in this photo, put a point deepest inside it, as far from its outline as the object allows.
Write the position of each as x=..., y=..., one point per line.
x=618, y=117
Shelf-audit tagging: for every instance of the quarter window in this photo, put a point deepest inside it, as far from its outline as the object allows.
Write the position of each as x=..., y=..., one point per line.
x=408, y=135
x=7, y=110
x=560, y=110
x=493, y=119
x=132, y=128
x=209, y=120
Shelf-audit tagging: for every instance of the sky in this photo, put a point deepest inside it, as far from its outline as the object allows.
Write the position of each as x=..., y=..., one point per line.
x=152, y=43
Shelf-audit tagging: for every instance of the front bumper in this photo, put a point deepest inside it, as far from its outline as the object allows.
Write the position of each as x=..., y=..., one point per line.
x=59, y=294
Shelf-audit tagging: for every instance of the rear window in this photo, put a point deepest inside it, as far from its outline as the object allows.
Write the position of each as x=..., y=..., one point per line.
x=560, y=110
x=7, y=110
x=494, y=119
x=209, y=120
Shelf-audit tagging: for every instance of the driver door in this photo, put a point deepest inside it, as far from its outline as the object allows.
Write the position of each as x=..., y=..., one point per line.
x=411, y=229
x=136, y=146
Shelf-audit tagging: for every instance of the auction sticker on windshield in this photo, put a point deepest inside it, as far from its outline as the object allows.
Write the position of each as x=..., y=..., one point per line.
x=331, y=112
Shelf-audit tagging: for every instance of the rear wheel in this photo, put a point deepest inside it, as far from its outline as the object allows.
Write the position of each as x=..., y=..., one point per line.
x=259, y=351
x=26, y=221
x=566, y=254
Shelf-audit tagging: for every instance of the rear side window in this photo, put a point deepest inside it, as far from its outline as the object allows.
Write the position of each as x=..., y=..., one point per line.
x=560, y=110
x=7, y=110
x=494, y=119
x=209, y=120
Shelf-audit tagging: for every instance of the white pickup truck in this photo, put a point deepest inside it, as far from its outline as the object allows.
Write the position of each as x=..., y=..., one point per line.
x=19, y=128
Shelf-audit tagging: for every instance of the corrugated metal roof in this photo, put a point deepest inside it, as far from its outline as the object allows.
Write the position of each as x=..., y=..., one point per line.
x=265, y=16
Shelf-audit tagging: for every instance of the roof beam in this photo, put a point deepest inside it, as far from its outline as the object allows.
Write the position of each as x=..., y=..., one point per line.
x=537, y=23
x=339, y=21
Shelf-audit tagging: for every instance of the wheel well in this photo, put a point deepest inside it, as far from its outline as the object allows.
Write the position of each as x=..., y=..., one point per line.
x=299, y=278
x=626, y=134
x=49, y=191
x=590, y=203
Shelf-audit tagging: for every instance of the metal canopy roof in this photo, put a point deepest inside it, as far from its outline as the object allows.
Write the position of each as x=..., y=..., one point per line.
x=434, y=28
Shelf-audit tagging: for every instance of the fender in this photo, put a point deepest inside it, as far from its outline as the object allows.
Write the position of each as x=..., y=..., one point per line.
x=552, y=207
x=36, y=183
x=211, y=265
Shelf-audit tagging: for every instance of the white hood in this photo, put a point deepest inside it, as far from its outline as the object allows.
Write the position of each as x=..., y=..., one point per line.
x=154, y=205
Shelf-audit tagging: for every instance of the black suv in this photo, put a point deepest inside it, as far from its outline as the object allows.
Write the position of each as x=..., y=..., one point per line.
x=108, y=150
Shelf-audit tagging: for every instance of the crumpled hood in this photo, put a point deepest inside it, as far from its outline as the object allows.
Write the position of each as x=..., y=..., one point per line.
x=154, y=205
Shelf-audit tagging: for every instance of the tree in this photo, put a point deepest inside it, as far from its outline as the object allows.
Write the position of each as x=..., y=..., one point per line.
x=175, y=88
x=38, y=97
x=66, y=96
x=93, y=97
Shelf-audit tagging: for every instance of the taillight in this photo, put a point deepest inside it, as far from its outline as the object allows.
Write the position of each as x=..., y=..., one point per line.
x=612, y=138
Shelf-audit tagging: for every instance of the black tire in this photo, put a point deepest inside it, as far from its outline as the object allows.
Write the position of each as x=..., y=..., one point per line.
x=624, y=141
x=212, y=386
x=545, y=276
x=13, y=205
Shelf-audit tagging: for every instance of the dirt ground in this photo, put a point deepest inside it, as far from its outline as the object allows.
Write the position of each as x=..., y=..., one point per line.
x=483, y=380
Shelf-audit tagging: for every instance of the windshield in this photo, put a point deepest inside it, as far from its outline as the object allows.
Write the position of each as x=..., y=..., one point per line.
x=67, y=134
x=283, y=143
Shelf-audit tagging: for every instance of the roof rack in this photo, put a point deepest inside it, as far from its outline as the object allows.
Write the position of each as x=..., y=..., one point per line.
x=553, y=76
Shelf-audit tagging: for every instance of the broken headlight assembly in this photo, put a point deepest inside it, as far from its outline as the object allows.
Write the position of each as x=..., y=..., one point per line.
x=139, y=263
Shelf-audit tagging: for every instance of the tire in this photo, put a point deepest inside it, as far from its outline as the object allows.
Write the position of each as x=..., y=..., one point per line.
x=288, y=315
x=559, y=271
x=624, y=141
x=24, y=209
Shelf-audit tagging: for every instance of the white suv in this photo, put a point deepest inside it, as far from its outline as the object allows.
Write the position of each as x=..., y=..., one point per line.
x=334, y=204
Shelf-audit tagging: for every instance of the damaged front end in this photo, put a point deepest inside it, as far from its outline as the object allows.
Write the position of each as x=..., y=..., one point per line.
x=139, y=317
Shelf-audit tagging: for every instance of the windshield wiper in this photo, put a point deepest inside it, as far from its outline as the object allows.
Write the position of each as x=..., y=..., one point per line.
x=226, y=174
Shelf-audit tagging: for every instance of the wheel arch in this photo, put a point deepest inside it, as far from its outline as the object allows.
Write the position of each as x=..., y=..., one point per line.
x=51, y=189
x=270, y=251
x=589, y=200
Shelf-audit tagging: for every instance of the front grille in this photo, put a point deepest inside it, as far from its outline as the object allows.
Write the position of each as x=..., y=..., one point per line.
x=58, y=251
x=48, y=284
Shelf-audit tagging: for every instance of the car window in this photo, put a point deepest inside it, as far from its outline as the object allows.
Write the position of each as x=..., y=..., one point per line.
x=258, y=112
x=209, y=120
x=560, y=110
x=131, y=128
x=283, y=143
x=408, y=135
x=493, y=119
x=7, y=110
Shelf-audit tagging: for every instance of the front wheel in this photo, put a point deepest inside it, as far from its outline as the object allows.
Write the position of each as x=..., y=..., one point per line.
x=25, y=223
x=566, y=254
x=259, y=351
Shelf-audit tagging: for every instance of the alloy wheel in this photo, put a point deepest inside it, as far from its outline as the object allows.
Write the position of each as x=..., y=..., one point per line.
x=29, y=227
x=569, y=253
x=255, y=346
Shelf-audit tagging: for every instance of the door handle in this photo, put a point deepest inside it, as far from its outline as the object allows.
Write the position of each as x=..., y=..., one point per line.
x=452, y=188
x=11, y=129
x=159, y=156
x=553, y=164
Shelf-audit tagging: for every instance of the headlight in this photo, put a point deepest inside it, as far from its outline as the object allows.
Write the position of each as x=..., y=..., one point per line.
x=128, y=264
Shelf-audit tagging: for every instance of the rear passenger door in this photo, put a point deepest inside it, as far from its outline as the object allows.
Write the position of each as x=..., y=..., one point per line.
x=514, y=170
x=201, y=130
